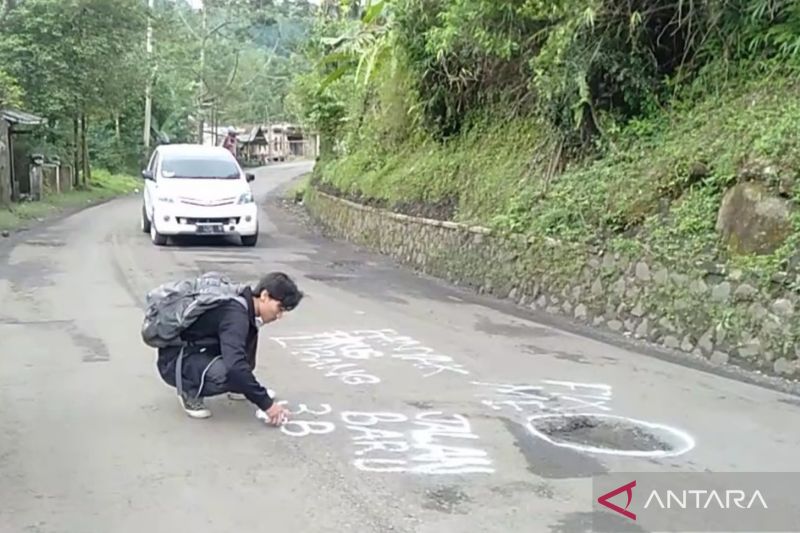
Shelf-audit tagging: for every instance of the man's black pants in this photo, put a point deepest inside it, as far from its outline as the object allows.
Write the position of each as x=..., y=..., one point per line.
x=202, y=372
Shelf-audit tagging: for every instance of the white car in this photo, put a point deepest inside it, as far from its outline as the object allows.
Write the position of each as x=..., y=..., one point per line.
x=191, y=189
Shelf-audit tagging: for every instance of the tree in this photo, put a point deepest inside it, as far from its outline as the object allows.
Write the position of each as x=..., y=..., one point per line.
x=78, y=59
x=83, y=65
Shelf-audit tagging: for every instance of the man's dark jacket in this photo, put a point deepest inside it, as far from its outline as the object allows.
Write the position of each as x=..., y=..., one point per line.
x=229, y=330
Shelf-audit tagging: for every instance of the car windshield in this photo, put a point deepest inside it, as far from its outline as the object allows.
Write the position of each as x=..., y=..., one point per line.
x=199, y=167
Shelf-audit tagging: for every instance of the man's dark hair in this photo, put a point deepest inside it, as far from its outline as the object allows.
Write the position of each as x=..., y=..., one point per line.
x=280, y=287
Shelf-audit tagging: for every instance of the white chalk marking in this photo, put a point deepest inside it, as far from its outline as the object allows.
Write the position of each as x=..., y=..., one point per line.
x=682, y=441
x=366, y=465
x=329, y=347
x=583, y=404
x=326, y=410
x=518, y=406
x=407, y=349
x=575, y=386
x=424, y=452
x=303, y=428
x=422, y=449
x=522, y=398
x=352, y=417
x=325, y=351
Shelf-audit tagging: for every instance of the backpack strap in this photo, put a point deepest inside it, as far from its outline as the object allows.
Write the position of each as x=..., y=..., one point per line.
x=179, y=371
x=203, y=376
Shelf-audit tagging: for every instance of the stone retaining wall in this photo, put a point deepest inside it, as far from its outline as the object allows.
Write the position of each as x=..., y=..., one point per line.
x=710, y=313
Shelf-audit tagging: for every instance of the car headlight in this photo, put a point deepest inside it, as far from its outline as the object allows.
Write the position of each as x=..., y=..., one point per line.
x=246, y=198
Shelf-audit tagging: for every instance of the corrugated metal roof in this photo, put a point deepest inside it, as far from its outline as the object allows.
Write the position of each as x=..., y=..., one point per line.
x=20, y=117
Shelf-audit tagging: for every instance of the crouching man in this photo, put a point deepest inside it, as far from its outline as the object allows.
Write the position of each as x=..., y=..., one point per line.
x=218, y=352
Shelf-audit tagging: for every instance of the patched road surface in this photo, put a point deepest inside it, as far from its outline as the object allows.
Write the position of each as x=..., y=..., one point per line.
x=418, y=407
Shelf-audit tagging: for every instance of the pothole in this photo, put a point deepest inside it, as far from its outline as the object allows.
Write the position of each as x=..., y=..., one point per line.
x=46, y=244
x=447, y=499
x=346, y=264
x=421, y=405
x=610, y=434
x=328, y=277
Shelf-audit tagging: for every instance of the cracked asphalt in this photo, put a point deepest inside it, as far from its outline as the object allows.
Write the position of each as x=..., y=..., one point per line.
x=417, y=406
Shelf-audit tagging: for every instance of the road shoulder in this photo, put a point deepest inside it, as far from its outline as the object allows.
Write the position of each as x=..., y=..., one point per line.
x=23, y=218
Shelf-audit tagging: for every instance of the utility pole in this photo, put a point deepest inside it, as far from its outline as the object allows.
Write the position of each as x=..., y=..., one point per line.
x=201, y=85
x=148, y=97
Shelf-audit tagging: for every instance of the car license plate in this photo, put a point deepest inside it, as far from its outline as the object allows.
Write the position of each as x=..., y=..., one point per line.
x=210, y=228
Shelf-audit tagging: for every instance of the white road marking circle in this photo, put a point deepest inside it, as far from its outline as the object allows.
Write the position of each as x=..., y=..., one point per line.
x=680, y=441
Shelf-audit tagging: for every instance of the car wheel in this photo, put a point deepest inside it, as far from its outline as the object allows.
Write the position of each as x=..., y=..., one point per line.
x=156, y=237
x=145, y=223
x=250, y=240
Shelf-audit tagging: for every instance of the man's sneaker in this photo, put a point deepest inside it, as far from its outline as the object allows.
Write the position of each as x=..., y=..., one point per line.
x=241, y=397
x=194, y=407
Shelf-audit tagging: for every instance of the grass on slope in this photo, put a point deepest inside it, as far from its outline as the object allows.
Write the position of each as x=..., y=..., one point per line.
x=657, y=189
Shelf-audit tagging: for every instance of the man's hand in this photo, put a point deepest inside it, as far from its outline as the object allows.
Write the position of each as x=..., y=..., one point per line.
x=277, y=414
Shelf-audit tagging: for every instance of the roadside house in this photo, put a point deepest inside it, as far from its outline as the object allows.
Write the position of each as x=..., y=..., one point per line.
x=289, y=141
x=14, y=163
x=254, y=146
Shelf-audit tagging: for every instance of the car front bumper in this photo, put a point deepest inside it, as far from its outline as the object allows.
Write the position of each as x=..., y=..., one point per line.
x=180, y=219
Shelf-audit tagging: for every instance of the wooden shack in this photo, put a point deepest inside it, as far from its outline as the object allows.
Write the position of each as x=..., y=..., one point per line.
x=14, y=163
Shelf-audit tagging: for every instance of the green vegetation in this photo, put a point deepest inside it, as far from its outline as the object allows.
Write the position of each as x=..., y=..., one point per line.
x=298, y=189
x=599, y=123
x=88, y=67
x=602, y=124
x=103, y=187
x=85, y=66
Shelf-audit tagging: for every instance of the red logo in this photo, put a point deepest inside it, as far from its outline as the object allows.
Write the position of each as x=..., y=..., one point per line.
x=627, y=489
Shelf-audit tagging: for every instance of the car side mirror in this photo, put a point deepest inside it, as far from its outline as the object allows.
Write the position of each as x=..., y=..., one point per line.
x=250, y=177
x=147, y=174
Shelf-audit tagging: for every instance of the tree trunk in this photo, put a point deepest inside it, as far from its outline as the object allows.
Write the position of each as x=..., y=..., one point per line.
x=76, y=169
x=117, y=127
x=87, y=171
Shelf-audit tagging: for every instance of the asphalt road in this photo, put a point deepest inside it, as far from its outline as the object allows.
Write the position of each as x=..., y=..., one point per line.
x=418, y=407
